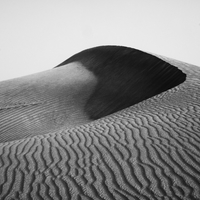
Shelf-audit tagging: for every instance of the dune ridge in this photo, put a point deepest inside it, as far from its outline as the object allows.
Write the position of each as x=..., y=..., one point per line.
x=147, y=151
x=126, y=76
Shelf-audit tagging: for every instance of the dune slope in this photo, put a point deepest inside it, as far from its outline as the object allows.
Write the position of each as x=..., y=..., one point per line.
x=146, y=151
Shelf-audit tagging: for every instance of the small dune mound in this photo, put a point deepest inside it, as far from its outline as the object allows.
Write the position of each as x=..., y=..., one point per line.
x=126, y=76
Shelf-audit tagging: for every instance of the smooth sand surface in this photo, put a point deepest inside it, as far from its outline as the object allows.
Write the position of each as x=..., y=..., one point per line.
x=147, y=151
x=45, y=102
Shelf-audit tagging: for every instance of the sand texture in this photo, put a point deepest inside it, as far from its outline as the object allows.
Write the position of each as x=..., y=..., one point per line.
x=147, y=151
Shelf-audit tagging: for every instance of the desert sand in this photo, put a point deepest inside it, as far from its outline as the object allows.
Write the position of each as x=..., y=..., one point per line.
x=147, y=150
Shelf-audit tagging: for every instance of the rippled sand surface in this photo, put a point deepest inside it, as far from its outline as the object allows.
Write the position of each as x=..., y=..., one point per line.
x=147, y=151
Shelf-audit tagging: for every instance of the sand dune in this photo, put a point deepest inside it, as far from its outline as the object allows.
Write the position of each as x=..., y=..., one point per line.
x=146, y=151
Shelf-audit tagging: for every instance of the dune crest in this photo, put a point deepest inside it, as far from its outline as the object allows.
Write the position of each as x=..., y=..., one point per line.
x=126, y=76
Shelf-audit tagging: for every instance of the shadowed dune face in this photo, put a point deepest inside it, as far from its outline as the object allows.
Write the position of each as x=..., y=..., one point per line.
x=125, y=76
x=149, y=151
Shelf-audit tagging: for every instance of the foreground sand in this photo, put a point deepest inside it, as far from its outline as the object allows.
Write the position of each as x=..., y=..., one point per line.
x=148, y=151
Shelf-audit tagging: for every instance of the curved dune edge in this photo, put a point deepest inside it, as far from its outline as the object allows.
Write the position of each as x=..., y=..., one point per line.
x=126, y=76
x=148, y=151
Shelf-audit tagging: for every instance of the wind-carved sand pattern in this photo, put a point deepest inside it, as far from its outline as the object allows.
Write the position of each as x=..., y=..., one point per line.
x=147, y=151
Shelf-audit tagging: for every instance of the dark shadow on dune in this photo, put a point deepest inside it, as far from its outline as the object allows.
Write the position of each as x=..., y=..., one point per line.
x=126, y=77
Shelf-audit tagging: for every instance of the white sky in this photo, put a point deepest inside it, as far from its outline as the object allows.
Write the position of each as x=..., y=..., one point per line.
x=36, y=35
